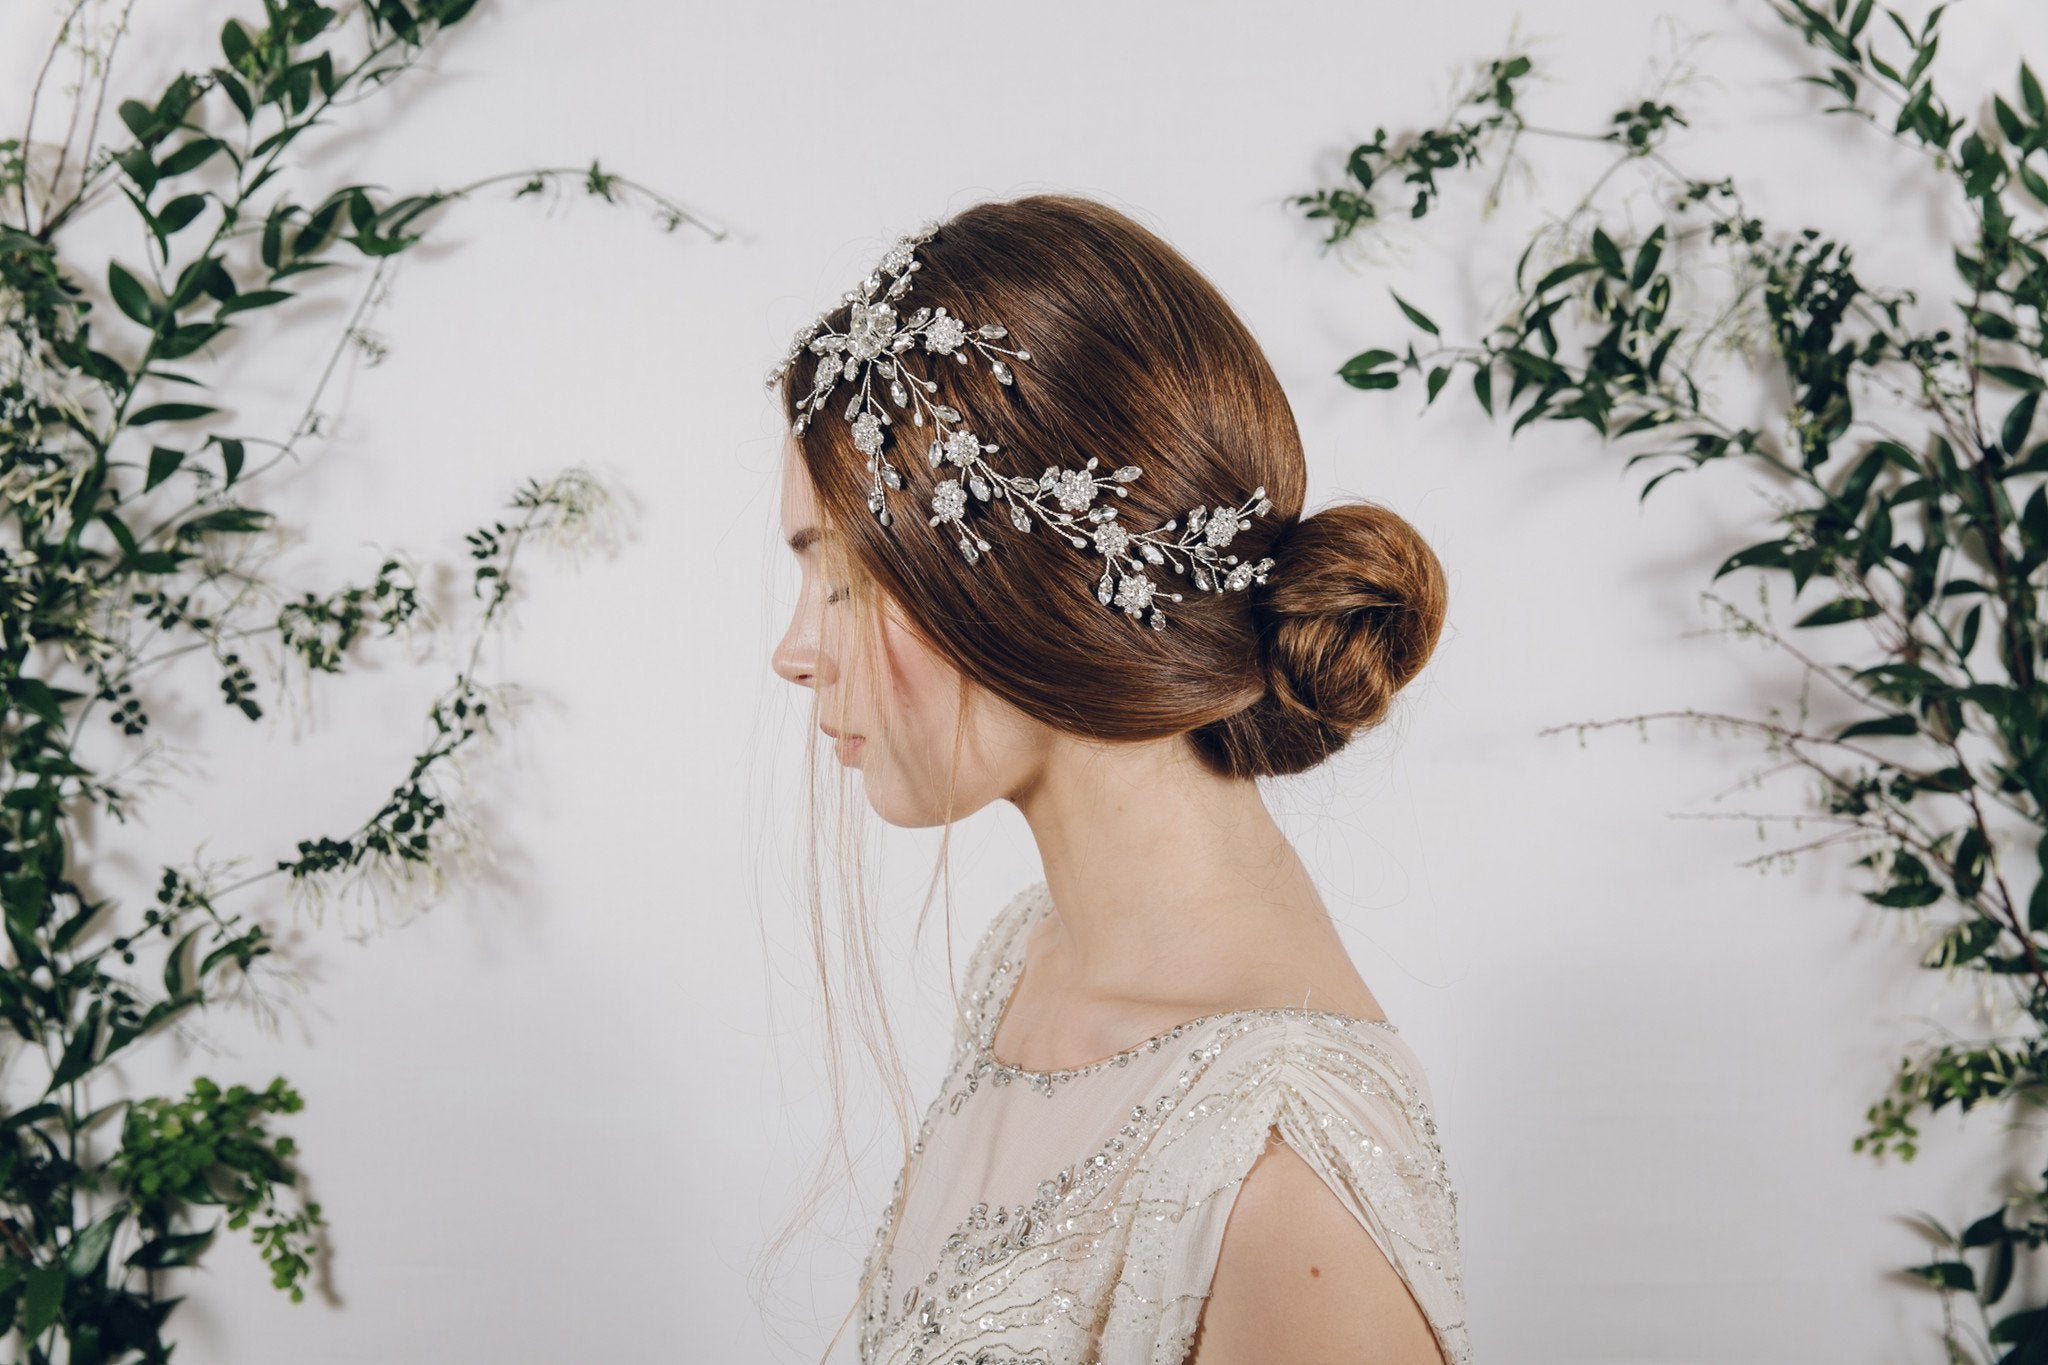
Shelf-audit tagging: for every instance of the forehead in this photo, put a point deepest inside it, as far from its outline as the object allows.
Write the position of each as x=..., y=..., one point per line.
x=799, y=504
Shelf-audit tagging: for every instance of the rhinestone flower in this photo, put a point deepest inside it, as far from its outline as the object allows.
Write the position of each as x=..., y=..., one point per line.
x=880, y=342
x=949, y=500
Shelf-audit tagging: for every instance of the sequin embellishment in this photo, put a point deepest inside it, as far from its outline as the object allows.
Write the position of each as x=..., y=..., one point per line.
x=1108, y=1258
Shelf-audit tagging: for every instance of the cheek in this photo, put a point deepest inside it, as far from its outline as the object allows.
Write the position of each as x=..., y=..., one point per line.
x=922, y=698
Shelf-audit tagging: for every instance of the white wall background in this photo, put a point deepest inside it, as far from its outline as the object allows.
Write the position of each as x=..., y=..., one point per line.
x=553, y=1117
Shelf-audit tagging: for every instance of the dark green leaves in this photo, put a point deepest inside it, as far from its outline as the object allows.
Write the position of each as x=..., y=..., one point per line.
x=1419, y=319
x=163, y=462
x=117, y=570
x=231, y=456
x=1364, y=370
x=1568, y=271
x=2025, y=380
x=1607, y=254
x=44, y=1294
x=1646, y=258
x=191, y=156
x=1840, y=610
x=255, y=298
x=131, y=296
x=170, y=412
x=174, y=1249
x=2019, y=420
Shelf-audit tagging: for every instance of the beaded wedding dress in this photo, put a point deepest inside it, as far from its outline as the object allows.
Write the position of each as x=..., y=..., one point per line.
x=1073, y=1217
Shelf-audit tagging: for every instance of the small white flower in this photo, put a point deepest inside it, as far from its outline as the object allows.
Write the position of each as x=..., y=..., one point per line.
x=945, y=333
x=1133, y=593
x=870, y=330
x=1111, y=538
x=867, y=433
x=949, y=500
x=963, y=447
x=1074, y=489
x=1220, y=529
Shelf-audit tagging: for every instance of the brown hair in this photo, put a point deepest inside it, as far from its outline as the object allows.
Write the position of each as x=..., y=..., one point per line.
x=1136, y=359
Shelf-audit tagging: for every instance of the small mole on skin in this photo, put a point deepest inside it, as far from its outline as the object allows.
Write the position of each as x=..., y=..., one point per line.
x=1315, y=1272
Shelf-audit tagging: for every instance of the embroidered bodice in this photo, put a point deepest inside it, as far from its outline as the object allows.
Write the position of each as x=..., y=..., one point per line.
x=1058, y=1217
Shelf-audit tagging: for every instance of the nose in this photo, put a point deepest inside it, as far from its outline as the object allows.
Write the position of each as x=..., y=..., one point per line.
x=798, y=657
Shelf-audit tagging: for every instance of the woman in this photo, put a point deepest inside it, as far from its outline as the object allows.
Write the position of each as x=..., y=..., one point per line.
x=1177, y=1124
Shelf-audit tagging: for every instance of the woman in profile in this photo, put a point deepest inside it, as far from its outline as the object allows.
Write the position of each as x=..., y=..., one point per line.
x=1046, y=495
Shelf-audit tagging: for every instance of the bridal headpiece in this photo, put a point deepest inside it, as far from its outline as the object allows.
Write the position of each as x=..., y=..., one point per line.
x=879, y=345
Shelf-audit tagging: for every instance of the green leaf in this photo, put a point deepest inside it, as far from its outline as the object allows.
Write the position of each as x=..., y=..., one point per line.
x=153, y=561
x=131, y=296
x=237, y=92
x=1362, y=366
x=1437, y=377
x=50, y=1109
x=255, y=298
x=1921, y=58
x=191, y=156
x=78, y=1053
x=89, y=1247
x=2010, y=123
x=1969, y=863
x=170, y=412
x=2032, y=179
x=1646, y=258
x=45, y=1294
x=1840, y=610
x=2018, y=422
x=2019, y=379
x=1882, y=725
x=171, y=1249
x=140, y=118
x=163, y=462
x=1419, y=319
x=2030, y=91
x=136, y=161
x=237, y=519
x=1608, y=254
x=174, y=965
x=1770, y=554
x=1482, y=386
x=1947, y=1274
x=1905, y=895
x=230, y=456
x=234, y=42
x=178, y=213
x=1560, y=275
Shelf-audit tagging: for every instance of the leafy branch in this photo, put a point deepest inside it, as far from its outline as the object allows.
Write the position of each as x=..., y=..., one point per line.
x=127, y=526
x=1907, y=477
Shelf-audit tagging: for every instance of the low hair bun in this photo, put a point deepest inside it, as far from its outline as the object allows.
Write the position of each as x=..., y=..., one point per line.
x=1351, y=613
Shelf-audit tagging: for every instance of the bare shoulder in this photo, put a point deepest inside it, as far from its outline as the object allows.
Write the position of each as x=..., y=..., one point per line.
x=1299, y=1279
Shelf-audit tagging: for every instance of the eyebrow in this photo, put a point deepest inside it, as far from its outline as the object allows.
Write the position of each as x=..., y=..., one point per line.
x=803, y=538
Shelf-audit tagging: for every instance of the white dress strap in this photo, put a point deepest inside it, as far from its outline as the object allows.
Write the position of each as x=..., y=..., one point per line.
x=981, y=990
x=1347, y=1095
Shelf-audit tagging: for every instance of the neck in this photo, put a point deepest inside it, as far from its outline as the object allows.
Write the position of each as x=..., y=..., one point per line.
x=1161, y=870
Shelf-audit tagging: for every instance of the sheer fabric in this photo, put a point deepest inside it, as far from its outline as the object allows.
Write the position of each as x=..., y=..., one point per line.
x=1057, y=1217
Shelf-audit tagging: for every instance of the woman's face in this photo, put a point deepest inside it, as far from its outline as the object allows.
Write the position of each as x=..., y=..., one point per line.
x=894, y=706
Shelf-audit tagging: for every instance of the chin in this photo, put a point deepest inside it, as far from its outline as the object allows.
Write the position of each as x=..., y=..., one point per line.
x=920, y=809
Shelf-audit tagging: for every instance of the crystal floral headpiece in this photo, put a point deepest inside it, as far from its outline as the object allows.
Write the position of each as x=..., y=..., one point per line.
x=878, y=343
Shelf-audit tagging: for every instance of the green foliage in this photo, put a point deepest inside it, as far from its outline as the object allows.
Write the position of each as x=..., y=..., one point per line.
x=115, y=561
x=1910, y=467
